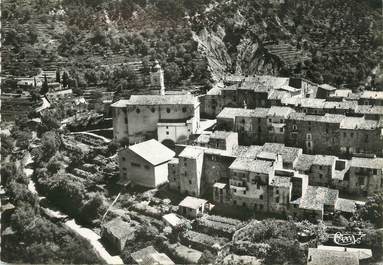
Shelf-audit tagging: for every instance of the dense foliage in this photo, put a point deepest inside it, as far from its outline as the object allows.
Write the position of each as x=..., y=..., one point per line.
x=275, y=241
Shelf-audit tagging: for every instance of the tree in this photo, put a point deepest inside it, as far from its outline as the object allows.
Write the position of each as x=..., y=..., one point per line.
x=58, y=76
x=372, y=211
x=44, y=87
x=49, y=144
x=172, y=73
x=93, y=208
x=65, y=79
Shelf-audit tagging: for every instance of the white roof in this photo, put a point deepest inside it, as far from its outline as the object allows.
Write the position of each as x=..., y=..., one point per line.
x=153, y=151
x=192, y=202
x=172, y=219
x=363, y=253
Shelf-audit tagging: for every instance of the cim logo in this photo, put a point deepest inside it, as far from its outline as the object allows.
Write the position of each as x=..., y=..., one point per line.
x=348, y=239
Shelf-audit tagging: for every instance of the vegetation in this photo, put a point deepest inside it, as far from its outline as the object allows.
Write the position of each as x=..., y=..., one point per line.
x=275, y=241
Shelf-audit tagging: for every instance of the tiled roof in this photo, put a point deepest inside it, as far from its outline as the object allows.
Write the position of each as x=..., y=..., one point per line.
x=192, y=202
x=344, y=93
x=221, y=134
x=304, y=162
x=157, y=100
x=153, y=151
x=246, y=164
x=372, y=94
x=327, y=257
x=374, y=163
x=235, y=112
x=327, y=87
x=289, y=154
x=279, y=111
x=316, y=197
x=353, y=123
x=118, y=228
x=369, y=109
x=344, y=105
x=327, y=118
x=280, y=181
x=345, y=205
x=324, y=160
x=192, y=152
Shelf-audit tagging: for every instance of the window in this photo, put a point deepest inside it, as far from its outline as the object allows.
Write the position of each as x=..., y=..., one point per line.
x=269, y=120
x=138, y=111
x=374, y=171
x=261, y=206
x=190, y=182
x=258, y=186
x=259, y=128
x=167, y=127
x=281, y=120
x=308, y=136
x=309, y=144
x=277, y=200
x=277, y=192
x=281, y=129
x=344, y=134
x=244, y=204
x=124, y=168
x=295, y=127
x=167, y=133
x=244, y=192
x=168, y=110
x=183, y=109
x=126, y=120
x=261, y=197
x=320, y=176
x=123, y=159
x=352, y=134
x=135, y=164
x=153, y=110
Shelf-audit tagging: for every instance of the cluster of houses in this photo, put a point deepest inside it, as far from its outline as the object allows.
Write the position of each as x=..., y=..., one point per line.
x=269, y=149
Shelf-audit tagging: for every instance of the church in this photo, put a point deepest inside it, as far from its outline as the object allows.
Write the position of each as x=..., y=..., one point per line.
x=169, y=118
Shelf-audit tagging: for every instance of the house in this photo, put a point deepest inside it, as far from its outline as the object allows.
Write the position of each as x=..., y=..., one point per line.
x=145, y=164
x=117, y=232
x=150, y=256
x=190, y=168
x=192, y=207
x=329, y=257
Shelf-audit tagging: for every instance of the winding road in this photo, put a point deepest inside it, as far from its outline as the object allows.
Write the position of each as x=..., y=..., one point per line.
x=86, y=233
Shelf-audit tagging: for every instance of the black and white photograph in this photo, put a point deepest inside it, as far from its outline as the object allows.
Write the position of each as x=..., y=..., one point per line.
x=163, y=132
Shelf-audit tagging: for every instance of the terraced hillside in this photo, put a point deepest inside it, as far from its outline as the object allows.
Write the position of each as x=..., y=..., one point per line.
x=337, y=42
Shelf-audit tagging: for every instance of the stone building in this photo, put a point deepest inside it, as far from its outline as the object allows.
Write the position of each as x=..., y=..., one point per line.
x=317, y=134
x=365, y=176
x=190, y=170
x=361, y=136
x=169, y=117
x=145, y=164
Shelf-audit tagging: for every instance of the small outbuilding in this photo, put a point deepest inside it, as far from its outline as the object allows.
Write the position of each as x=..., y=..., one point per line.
x=117, y=232
x=192, y=206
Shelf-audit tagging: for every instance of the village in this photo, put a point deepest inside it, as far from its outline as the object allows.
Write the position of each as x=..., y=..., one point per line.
x=225, y=177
